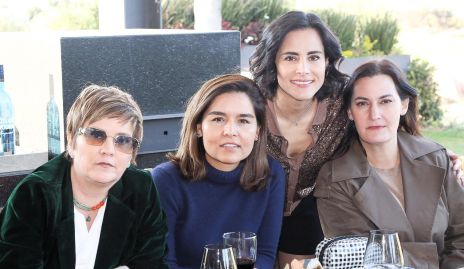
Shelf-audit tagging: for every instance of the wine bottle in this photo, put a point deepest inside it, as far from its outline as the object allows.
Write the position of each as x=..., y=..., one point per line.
x=6, y=119
x=53, y=123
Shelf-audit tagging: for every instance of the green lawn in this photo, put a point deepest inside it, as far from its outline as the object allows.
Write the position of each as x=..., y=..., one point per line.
x=451, y=138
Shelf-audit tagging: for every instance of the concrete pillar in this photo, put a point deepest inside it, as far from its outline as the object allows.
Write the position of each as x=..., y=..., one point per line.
x=111, y=15
x=207, y=15
x=129, y=14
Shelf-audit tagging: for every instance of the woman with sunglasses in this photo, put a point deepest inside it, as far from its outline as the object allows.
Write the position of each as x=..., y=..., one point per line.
x=88, y=207
x=220, y=180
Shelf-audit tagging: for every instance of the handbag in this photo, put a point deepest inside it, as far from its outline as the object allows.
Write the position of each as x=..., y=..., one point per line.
x=342, y=252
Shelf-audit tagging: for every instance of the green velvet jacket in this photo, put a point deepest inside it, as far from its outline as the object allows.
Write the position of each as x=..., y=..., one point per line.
x=37, y=223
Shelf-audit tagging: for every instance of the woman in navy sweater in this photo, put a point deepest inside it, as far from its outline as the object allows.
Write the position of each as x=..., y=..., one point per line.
x=220, y=180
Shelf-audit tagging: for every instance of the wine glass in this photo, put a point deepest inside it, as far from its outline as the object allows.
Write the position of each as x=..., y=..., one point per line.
x=383, y=250
x=219, y=256
x=244, y=245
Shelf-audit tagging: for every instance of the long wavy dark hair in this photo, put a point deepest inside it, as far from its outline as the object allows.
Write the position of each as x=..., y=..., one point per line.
x=408, y=122
x=262, y=62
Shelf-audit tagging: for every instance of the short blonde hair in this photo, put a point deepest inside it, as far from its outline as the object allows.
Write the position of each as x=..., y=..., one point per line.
x=96, y=102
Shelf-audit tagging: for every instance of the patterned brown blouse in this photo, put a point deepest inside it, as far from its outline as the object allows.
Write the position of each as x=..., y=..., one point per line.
x=327, y=131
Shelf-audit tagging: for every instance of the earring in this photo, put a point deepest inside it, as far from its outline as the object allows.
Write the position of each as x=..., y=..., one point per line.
x=199, y=135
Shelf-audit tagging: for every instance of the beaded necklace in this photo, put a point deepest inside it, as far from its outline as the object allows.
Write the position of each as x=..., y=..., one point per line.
x=89, y=208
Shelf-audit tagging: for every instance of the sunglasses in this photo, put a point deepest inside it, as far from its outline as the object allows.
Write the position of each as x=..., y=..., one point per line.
x=97, y=137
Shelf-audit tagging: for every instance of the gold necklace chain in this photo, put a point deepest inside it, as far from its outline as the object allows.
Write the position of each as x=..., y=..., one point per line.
x=293, y=122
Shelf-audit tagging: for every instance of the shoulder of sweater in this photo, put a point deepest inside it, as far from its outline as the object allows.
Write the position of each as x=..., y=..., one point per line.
x=166, y=166
x=165, y=174
x=274, y=164
x=277, y=171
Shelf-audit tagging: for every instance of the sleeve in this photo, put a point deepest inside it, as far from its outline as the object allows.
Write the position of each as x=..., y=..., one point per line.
x=269, y=231
x=170, y=203
x=337, y=212
x=150, y=246
x=23, y=226
x=453, y=254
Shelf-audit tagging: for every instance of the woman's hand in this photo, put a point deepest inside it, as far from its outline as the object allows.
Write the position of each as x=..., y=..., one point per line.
x=304, y=264
x=457, y=166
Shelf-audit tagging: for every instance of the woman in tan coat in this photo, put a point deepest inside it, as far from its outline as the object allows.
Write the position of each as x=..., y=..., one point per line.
x=390, y=177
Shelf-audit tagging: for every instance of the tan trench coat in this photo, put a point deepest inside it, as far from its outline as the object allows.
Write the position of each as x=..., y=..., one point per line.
x=353, y=199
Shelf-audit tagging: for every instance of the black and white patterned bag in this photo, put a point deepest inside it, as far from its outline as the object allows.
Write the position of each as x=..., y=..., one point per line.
x=342, y=252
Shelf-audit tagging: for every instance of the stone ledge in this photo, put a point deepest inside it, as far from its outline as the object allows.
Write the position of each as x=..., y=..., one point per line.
x=22, y=162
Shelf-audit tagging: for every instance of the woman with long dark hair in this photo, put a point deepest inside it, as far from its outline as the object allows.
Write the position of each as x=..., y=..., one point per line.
x=389, y=177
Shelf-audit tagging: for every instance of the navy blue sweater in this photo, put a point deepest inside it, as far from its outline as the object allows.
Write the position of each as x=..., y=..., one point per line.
x=198, y=213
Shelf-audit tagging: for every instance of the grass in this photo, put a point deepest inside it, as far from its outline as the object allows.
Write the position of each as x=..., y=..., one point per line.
x=452, y=138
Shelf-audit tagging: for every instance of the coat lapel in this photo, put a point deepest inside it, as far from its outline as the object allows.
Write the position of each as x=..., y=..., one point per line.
x=376, y=201
x=422, y=184
x=65, y=243
x=422, y=189
x=373, y=198
x=65, y=229
x=118, y=220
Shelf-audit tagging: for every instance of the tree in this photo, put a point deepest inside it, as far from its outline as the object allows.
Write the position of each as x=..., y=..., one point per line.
x=420, y=76
x=57, y=15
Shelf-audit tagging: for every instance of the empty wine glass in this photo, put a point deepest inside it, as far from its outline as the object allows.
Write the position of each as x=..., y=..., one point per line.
x=383, y=250
x=220, y=256
x=244, y=245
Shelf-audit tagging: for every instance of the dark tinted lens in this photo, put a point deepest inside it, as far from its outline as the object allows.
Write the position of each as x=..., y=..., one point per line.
x=94, y=136
x=97, y=137
x=124, y=143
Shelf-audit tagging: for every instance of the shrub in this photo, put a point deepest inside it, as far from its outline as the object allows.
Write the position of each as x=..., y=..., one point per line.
x=251, y=16
x=342, y=25
x=362, y=36
x=383, y=30
x=248, y=16
x=420, y=76
x=178, y=14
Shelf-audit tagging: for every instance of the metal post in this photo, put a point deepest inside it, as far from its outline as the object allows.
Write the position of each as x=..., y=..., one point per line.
x=143, y=14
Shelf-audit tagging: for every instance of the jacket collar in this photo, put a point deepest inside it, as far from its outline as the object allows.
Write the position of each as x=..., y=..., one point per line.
x=59, y=169
x=421, y=181
x=354, y=163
